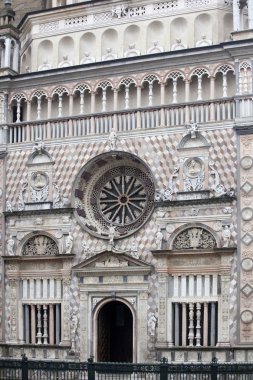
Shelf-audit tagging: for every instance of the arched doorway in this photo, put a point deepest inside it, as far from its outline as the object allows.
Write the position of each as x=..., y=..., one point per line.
x=115, y=333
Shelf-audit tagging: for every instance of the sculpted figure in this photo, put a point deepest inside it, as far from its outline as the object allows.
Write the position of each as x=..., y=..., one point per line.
x=226, y=236
x=159, y=239
x=178, y=45
x=203, y=42
x=87, y=58
x=112, y=234
x=66, y=62
x=10, y=246
x=152, y=324
x=69, y=243
x=45, y=66
x=112, y=139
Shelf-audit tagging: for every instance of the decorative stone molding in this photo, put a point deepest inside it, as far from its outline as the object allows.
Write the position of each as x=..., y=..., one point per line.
x=100, y=183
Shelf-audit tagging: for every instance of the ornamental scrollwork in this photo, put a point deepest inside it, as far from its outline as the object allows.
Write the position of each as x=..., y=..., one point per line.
x=40, y=245
x=193, y=238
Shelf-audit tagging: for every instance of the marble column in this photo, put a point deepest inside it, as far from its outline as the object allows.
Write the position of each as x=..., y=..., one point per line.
x=184, y=325
x=205, y=325
x=33, y=324
x=236, y=15
x=15, y=57
x=51, y=324
x=71, y=104
x=7, y=55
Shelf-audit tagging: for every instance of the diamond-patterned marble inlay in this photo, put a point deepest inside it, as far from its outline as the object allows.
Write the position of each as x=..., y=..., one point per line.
x=247, y=187
x=247, y=239
x=247, y=290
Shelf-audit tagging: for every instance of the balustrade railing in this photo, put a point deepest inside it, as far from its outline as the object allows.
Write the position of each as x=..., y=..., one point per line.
x=123, y=121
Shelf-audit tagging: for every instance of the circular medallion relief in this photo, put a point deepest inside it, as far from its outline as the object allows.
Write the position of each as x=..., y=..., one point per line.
x=39, y=180
x=247, y=213
x=246, y=316
x=246, y=162
x=114, y=190
x=247, y=264
x=193, y=167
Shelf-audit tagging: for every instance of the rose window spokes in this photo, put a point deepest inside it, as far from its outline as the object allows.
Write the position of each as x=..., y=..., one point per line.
x=122, y=199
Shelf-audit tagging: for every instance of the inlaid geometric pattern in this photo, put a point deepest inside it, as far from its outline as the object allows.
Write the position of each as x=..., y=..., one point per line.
x=160, y=153
x=247, y=187
x=247, y=290
x=247, y=239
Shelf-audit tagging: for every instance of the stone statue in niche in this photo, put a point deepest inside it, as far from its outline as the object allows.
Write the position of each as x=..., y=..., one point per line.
x=10, y=246
x=45, y=66
x=193, y=175
x=193, y=238
x=132, y=52
x=87, y=58
x=109, y=55
x=69, y=243
x=152, y=323
x=203, y=42
x=112, y=139
x=178, y=45
x=155, y=48
x=65, y=62
x=159, y=239
x=226, y=236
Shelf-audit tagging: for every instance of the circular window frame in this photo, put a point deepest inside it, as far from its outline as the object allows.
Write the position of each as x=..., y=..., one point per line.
x=92, y=179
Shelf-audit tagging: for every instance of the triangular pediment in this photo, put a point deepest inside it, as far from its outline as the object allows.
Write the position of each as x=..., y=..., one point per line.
x=111, y=262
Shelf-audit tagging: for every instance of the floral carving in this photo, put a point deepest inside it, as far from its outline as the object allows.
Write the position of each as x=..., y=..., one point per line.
x=40, y=245
x=194, y=238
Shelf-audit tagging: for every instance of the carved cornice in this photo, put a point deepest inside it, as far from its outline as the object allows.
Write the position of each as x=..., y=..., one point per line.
x=51, y=211
x=169, y=253
x=189, y=202
x=18, y=259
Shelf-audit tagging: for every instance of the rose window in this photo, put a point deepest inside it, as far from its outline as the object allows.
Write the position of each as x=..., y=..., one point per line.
x=123, y=199
x=116, y=191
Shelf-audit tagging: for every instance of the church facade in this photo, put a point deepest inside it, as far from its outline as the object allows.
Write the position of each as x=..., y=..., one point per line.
x=126, y=166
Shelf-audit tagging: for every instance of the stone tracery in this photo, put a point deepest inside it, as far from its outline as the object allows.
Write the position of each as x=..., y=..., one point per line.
x=193, y=238
x=41, y=245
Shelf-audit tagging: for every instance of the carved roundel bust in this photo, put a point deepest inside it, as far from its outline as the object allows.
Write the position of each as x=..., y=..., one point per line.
x=39, y=180
x=193, y=167
x=114, y=190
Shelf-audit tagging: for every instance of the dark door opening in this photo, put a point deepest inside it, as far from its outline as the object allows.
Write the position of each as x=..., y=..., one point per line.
x=115, y=333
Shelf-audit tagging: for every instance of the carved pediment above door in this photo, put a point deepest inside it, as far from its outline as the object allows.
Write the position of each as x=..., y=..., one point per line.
x=108, y=262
